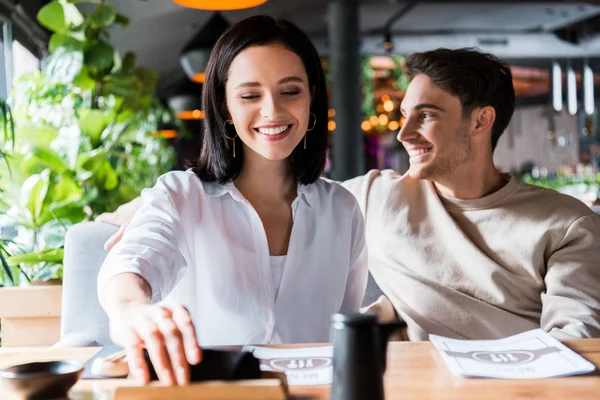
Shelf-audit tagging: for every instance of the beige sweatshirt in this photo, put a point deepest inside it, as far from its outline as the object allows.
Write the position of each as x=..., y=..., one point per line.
x=521, y=258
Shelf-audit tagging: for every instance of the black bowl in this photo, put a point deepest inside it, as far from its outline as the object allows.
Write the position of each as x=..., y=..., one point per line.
x=42, y=380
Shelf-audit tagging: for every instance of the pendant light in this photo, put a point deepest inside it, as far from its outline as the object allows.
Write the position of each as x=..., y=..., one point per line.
x=219, y=4
x=195, y=54
x=185, y=100
x=588, y=88
x=557, y=94
x=571, y=90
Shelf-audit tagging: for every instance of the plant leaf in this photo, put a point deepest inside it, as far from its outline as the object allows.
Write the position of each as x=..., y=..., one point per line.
x=128, y=62
x=61, y=40
x=29, y=132
x=53, y=233
x=50, y=158
x=148, y=78
x=63, y=65
x=7, y=270
x=125, y=86
x=122, y=20
x=33, y=193
x=73, y=16
x=103, y=16
x=99, y=58
x=93, y=122
x=47, y=255
x=52, y=16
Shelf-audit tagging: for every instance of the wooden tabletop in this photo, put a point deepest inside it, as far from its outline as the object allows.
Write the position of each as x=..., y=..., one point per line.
x=415, y=371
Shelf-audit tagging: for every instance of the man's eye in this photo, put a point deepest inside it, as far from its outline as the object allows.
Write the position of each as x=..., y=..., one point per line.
x=249, y=96
x=290, y=93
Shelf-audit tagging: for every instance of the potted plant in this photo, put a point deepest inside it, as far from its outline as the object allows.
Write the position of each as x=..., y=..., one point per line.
x=83, y=144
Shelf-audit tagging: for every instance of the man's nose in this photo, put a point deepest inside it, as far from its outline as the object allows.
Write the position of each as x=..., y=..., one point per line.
x=407, y=131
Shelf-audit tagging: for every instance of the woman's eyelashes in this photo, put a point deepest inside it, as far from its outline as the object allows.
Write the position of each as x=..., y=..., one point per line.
x=288, y=93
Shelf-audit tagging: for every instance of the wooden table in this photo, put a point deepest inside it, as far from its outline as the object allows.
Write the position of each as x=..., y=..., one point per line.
x=415, y=371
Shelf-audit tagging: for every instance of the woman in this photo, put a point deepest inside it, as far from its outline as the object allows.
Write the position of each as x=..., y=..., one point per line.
x=251, y=244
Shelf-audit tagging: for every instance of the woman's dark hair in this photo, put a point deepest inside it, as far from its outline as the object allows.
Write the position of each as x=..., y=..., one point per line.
x=477, y=79
x=216, y=161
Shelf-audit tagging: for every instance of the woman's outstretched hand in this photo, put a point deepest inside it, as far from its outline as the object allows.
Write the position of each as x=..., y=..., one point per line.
x=166, y=332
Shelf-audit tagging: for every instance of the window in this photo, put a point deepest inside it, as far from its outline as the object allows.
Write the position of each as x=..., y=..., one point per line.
x=23, y=60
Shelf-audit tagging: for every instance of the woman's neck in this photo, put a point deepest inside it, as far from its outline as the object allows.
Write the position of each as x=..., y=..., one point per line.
x=266, y=181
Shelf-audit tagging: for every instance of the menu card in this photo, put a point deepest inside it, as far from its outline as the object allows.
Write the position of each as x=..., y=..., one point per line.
x=529, y=355
x=302, y=366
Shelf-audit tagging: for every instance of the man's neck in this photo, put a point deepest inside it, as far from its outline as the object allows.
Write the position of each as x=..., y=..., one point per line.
x=470, y=182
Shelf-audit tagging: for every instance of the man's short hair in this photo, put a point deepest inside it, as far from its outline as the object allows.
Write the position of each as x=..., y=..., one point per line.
x=478, y=79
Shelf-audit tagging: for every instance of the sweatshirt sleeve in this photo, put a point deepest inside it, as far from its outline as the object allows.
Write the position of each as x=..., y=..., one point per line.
x=358, y=272
x=571, y=302
x=151, y=245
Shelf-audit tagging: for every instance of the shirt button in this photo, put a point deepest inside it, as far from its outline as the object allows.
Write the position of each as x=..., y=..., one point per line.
x=269, y=326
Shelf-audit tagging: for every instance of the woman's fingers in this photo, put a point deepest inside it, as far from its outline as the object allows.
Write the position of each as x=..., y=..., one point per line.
x=182, y=318
x=159, y=356
x=137, y=364
x=174, y=345
x=167, y=333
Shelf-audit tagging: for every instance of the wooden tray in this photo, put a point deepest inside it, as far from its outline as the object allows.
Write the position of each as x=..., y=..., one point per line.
x=257, y=389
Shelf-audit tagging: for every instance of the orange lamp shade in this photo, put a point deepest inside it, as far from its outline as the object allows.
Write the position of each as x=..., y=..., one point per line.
x=219, y=4
x=165, y=133
x=198, y=78
x=195, y=114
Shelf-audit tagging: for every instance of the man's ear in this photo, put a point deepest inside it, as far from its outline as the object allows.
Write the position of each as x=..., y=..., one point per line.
x=484, y=119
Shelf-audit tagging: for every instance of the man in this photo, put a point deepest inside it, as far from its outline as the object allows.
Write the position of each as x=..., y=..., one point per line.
x=457, y=248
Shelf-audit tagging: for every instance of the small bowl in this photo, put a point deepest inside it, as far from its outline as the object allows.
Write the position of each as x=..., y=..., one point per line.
x=42, y=380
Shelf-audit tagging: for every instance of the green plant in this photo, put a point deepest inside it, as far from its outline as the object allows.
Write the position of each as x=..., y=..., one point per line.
x=83, y=141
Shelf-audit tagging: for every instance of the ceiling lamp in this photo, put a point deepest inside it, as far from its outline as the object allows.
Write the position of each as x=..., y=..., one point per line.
x=195, y=54
x=571, y=90
x=557, y=95
x=219, y=4
x=588, y=88
x=185, y=100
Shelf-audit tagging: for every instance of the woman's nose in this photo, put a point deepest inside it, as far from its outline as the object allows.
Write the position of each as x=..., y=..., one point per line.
x=270, y=108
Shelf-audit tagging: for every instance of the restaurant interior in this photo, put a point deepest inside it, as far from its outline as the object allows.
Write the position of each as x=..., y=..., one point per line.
x=148, y=59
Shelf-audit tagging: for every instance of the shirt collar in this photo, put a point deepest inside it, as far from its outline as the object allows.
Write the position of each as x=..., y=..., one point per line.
x=214, y=189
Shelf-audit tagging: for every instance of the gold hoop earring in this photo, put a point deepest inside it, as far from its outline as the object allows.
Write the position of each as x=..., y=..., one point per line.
x=314, y=123
x=230, y=122
x=311, y=128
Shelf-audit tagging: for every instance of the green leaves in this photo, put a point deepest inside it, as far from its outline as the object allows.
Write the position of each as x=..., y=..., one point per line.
x=62, y=40
x=128, y=62
x=83, y=140
x=63, y=65
x=59, y=16
x=33, y=194
x=102, y=171
x=103, y=16
x=99, y=58
x=50, y=158
x=52, y=16
x=124, y=86
x=48, y=255
x=93, y=123
x=122, y=20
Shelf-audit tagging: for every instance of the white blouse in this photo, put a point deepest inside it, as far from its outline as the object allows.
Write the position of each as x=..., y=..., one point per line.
x=277, y=264
x=202, y=245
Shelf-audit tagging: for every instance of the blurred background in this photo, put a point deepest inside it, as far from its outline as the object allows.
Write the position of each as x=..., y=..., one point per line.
x=101, y=97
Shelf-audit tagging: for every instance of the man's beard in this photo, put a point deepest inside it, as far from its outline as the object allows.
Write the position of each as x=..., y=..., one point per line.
x=449, y=159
